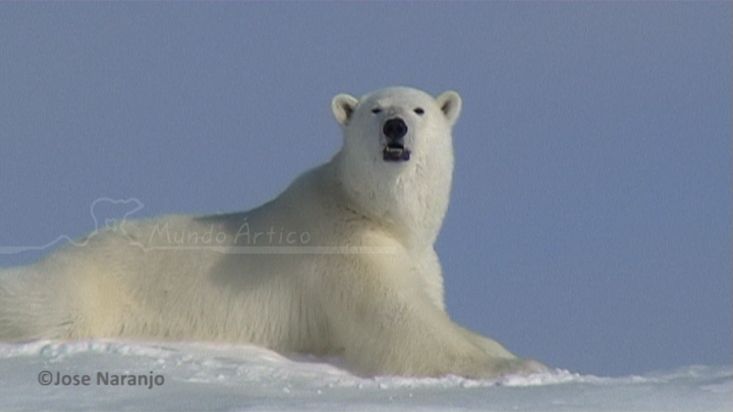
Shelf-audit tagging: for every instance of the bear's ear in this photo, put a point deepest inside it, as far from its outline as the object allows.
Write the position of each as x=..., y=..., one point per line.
x=450, y=104
x=343, y=106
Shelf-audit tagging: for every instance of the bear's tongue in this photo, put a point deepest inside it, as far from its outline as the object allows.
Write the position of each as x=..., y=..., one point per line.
x=395, y=152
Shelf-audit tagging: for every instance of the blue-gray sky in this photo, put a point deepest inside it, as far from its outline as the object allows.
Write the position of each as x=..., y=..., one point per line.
x=590, y=220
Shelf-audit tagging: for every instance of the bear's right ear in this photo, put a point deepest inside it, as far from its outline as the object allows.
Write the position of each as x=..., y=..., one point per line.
x=343, y=106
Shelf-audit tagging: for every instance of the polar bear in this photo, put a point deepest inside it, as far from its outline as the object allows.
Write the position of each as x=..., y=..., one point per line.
x=341, y=263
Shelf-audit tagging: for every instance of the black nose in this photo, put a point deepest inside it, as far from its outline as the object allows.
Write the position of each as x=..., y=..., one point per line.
x=394, y=128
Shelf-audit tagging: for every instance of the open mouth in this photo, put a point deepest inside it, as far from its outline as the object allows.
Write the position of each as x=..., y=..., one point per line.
x=395, y=152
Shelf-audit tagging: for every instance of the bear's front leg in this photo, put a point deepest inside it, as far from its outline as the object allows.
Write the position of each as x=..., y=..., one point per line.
x=382, y=323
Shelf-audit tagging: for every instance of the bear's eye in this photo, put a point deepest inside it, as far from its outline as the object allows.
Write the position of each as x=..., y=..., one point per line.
x=376, y=110
x=419, y=111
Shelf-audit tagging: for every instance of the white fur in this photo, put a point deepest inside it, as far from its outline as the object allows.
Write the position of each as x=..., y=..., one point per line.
x=364, y=284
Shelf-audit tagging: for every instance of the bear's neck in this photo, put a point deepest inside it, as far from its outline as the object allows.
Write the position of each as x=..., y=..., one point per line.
x=409, y=200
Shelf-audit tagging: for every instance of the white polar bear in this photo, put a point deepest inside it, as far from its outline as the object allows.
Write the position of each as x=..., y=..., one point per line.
x=342, y=263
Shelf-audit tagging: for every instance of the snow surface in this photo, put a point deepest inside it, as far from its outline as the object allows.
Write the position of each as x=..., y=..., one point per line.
x=238, y=378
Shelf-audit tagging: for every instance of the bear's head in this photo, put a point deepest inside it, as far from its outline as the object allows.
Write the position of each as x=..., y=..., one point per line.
x=392, y=123
x=397, y=159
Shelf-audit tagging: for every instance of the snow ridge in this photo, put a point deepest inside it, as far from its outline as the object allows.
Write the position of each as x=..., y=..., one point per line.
x=200, y=376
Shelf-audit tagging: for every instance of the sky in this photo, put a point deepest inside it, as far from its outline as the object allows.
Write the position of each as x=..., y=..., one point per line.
x=590, y=218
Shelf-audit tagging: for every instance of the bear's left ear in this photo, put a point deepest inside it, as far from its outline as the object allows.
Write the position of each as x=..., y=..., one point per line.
x=450, y=104
x=343, y=106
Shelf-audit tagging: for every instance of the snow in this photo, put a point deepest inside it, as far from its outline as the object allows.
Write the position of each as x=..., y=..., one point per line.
x=237, y=378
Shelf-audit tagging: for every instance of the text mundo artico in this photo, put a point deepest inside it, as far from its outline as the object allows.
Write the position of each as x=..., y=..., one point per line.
x=148, y=380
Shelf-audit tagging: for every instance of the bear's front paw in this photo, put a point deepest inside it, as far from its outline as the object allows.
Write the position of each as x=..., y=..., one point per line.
x=530, y=367
x=498, y=368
